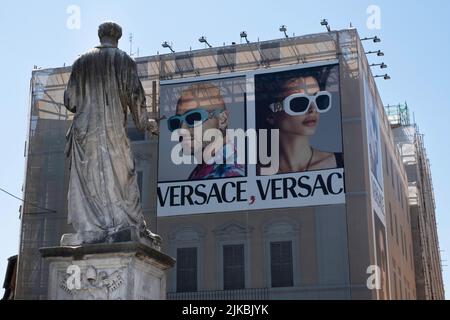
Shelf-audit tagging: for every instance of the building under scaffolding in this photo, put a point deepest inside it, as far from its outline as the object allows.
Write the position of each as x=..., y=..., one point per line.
x=427, y=261
x=326, y=249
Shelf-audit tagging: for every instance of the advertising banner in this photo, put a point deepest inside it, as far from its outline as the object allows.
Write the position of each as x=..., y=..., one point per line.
x=264, y=139
x=375, y=155
x=377, y=189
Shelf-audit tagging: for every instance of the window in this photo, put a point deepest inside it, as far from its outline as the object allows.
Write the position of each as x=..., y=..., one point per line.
x=396, y=229
x=233, y=267
x=407, y=212
x=401, y=199
x=403, y=240
x=186, y=269
x=405, y=287
x=404, y=244
x=392, y=173
x=281, y=264
x=390, y=218
x=281, y=255
x=386, y=158
x=395, y=286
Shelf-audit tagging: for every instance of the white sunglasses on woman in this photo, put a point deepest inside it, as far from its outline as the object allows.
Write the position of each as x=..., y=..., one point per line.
x=299, y=104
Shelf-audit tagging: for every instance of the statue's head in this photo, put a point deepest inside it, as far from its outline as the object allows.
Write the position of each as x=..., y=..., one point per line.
x=109, y=33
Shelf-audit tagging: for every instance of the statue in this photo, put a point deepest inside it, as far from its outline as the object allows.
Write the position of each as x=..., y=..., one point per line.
x=103, y=198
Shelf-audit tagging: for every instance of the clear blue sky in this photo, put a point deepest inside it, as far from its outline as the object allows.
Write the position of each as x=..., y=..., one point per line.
x=415, y=36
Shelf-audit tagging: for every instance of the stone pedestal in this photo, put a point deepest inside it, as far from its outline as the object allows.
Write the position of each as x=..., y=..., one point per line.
x=118, y=271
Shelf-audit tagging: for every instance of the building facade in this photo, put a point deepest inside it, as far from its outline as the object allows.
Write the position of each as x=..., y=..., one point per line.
x=326, y=251
x=427, y=258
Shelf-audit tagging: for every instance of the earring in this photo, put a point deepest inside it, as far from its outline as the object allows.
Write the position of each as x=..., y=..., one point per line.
x=276, y=107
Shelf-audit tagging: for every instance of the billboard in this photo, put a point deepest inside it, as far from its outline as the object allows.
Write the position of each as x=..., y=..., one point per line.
x=377, y=187
x=261, y=139
x=374, y=147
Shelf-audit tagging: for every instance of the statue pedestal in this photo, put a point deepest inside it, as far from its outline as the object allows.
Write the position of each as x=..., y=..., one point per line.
x=118, y=271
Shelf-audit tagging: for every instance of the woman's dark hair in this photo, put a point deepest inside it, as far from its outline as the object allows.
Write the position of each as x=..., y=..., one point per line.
x=319, y=74
x=269, y=88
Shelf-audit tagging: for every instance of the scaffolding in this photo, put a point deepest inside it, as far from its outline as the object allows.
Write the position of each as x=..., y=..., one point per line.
x=410, y=143
x=398, y=115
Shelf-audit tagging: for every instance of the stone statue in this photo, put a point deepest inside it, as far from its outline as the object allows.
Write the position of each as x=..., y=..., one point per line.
x=103, y=199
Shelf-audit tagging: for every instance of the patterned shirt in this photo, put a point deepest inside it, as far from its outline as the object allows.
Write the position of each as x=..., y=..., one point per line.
x=213, y=170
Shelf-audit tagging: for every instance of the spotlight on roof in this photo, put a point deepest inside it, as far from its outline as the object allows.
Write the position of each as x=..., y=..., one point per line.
x=165, y=44
x=385, y=76
x=375, y=39
x=378, y=53
x=202, y=39
x=382, y=65
x=283, y=29
x=325, y=23
x=244, y=35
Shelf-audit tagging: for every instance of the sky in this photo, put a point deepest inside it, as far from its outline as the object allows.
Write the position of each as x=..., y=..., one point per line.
x=415, y=38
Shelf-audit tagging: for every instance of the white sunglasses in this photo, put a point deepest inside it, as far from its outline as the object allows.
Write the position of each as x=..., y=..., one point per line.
x=298, y=104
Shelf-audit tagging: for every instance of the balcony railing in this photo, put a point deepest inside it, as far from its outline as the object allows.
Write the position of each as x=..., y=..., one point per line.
x=244, y=294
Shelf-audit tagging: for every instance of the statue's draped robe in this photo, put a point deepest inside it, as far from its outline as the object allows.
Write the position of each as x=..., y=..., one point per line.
x=103, y=191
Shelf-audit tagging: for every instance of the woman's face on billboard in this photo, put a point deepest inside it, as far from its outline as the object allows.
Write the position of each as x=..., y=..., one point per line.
x=304, y=125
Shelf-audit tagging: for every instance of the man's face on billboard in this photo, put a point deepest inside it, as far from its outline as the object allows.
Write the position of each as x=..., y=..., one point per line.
x=204, y=97
x=304, y=125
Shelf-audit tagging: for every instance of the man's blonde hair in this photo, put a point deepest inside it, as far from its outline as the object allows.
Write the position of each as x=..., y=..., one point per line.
x=205, y=94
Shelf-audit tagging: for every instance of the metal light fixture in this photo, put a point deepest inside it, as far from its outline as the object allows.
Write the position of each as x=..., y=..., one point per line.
x=202, y=39
x=244, y=35
x=378, y=53
x=325, y=23
x=165, y=44
x=385, y=76
x=283, y=29
x=375, y=39
x=382, y=65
